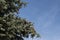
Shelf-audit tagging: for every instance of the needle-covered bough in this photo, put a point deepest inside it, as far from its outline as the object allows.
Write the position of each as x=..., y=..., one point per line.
x=11, y=26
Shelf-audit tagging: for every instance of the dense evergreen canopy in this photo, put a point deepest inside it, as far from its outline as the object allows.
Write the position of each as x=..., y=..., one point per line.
x=11, y=26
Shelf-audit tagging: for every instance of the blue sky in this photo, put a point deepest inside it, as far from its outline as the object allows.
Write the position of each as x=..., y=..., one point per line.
x=45, y=15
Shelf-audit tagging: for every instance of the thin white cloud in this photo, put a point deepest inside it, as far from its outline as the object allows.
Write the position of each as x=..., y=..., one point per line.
x=48, y=18
x=46, y=21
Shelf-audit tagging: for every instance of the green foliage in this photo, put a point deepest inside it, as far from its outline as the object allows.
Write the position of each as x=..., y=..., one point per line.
x=12, y=27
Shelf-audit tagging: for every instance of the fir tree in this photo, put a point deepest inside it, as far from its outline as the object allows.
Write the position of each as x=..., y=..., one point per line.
x=11, y=26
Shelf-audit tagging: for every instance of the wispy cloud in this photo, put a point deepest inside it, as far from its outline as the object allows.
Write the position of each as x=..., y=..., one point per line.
x=47, y=21
x=48, y=17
